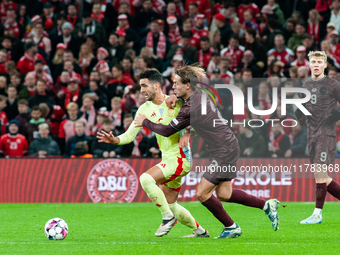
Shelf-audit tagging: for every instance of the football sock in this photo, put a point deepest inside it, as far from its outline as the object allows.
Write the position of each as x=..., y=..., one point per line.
x=320, y=194
x=317, y=211
x=334, y=189
x=156, y=195
x=240, y=197
x=215, y=207
x=185, y=217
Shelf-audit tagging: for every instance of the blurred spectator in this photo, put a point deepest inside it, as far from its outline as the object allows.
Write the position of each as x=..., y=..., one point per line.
x=299, y=142
x=204, y=54
x=223, y=27
x=81, y=150
x=89, y=26
x=198, y=31
x=3, y=115
x=203, y=8
x=115, y=50
x=26, y=63
x=277, y=10
x=12, y=102
x=145, y=16
x=251, y=144
x=214, y=62
x=234, y=52
x=248, y=5
x=301, y=57
x=314, y=26
x=15, y=79
x=99, y=96
x=67, y=56
x=174, y=32
x=119, y=82
x=116, y=115
x=297, y=38
x=335, y=18
x=333, y=73
x=127, y=65
x=31, y=128
x=255, y=45
x=131, y=36
x=67, y=38
x=41, y=95
x=54, y=115
x=80, y=136
x=279, y=141
x=44, y=145
x=40, y=73
x=3, y=85
x=24, y=116
x=101, y=116
x=13, y=144
x=88, y=111
x=40, y=38
x=183, y=48
x=251, y=63
x=104, y=150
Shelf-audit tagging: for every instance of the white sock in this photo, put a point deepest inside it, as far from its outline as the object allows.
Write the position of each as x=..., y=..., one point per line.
x=199, y=230
x=317, y=211
x=232, y=226
x=168, y=215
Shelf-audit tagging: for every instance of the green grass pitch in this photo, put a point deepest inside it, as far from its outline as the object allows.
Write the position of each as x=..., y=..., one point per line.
x=130, y=228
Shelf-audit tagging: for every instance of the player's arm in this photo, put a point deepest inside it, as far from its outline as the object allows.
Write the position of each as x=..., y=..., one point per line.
x=335, y=113
x=181, y=121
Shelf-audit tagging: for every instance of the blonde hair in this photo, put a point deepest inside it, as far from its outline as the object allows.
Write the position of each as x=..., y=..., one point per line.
x=88, y=95
x=317, y=15
x=72, y=106
x=43, y=126
x=80, y=122
x=191, y=74
x=116, y=100
x=317, y=54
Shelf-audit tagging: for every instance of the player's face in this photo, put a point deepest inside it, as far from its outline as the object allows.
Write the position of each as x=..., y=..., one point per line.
x=317, y=66
x=180, y=89
x=147, y=89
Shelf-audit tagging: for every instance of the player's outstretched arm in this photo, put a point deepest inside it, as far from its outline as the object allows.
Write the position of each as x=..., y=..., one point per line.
x=142, y=121
x=104, y=137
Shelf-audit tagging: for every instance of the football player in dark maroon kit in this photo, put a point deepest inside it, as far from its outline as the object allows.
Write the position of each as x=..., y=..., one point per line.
x=321, y=136
x=221, y=144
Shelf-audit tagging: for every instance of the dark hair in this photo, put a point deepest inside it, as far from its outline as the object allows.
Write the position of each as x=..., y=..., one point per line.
x=23, y=101
x=68, y=51
x=152, y=75
x=93, y=37
x=35, y=108
x=128, y=58
x=97, y=83
x=194, y=4
x=107, y=121
x=204, y=39
x=128, y=115
x=119, y=67
x=252, y=32
x=228, y=4
x=235, y=37
x=61, y=16
x=41, y=80
x=29, y=45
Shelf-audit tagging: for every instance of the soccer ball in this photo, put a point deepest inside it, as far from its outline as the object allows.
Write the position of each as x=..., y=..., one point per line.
x=56, y=229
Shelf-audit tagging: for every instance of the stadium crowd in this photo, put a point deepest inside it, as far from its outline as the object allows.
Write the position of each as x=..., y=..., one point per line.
x=70, y=68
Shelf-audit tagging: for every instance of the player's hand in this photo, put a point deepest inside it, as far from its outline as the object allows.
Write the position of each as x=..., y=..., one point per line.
x=139, y=120
x=184, y=140
x=335, y=114
x=171, y=101
x=104, y=137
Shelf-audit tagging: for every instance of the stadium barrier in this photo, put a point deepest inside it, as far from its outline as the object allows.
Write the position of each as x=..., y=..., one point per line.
x=58, y=180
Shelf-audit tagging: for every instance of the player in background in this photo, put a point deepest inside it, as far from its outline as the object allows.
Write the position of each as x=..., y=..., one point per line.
x=321, y=135
x=175, y=161
x=221, y=144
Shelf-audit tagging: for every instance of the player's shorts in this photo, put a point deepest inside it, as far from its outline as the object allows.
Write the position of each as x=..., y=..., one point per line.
x=174, y=169
x=223, y=169
x=322, y=149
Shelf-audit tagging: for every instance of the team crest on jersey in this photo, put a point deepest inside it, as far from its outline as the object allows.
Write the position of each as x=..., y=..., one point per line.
x=171, y=112
x=314, y=90
x=161, y=111
x=323, y=90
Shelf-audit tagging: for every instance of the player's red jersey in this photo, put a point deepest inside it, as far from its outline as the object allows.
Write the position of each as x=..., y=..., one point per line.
x=3, y=122
x=55, y=118
x=203, y=8
x=286, y=56
x=13, y=145
x=235, y=56
x=205, y=57
x=251, y=7
x=26, y=63
x=3, y=9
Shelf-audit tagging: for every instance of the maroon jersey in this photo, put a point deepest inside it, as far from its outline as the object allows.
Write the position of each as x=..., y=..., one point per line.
x=220, y=140
x=324, y=96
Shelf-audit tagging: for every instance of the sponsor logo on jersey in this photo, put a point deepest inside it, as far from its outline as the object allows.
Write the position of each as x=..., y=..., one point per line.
x=153, y=114
x=112, y=180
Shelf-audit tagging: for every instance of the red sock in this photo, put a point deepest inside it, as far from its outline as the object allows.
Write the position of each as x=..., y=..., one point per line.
x=240, y=197
x=334, y=189
x=215, y=207
x=320, y=194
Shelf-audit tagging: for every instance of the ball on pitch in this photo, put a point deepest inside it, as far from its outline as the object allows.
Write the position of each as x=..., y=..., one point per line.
x=56, y=229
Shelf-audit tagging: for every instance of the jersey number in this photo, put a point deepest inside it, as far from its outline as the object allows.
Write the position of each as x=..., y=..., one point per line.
x=323, y=156
x=313, y=99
